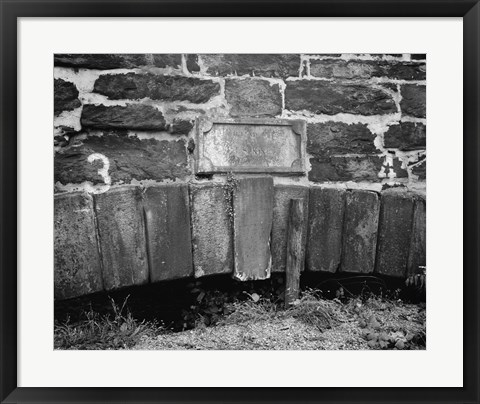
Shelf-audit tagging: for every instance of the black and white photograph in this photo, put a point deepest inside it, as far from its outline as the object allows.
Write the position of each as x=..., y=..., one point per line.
x=240, y=201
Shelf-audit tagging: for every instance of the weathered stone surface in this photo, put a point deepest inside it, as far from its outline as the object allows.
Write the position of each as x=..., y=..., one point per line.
x=100, y=61
x=212, y=230
x=65, y=96
x=192, y=63
x=345, y=168
x=250, y=97
x=156, y=87
x=326, y=97
x=250, y=146
x=281, y=206
x=360, y=231
x=406, y=136
x=418, y=56
x=180, y=127
x=117, y=61
x=326, y=214
x=252, y=226
x=167, y=218
x=331, y=138
x=121, y=233
x=132, y=116
x=420, y=170
x=264, y=65
x=129, y=158
x=394, y=232
x=413, y=101
x=78, y=268
x=418, y=248
x=167, y=60
x=365, y=69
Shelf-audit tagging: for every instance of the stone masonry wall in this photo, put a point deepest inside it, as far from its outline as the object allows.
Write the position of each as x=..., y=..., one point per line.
x=130, y=120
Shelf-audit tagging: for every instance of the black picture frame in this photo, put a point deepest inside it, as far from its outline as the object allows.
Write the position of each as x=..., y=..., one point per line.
x=10, y=10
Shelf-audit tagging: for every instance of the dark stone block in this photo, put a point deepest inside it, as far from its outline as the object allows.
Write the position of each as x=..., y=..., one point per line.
x=250, y=97
x=65, y=96
x=406, y=136
x=180, y=127
x=101, y=61
x=192, y=63
x=417, y=256
x=339, y=138
x=167, y=60
x=360, y=231
x=326, y=214
x=325, y=97
x=167, y=218
x=281, y=206
x=252, y=226
x=117, y=61
x=394, y=232
x=418, y=56
x=420, y=170
x=121, y=231
x=78, y=269
x=396, y=167
x=129, y=157
x=413, y=101
x=133, y=116
x=156, y=87
x=345, y=168
x=212, y=230
x=264, y=65
x=365, y=69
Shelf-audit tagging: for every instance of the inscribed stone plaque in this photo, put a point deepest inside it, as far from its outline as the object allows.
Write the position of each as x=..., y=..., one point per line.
x=250, y=146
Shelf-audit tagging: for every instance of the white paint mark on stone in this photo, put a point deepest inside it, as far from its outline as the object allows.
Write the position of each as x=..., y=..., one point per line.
x=103, y=172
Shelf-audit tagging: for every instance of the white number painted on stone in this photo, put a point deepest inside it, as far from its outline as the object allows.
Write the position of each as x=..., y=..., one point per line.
x=103, y=172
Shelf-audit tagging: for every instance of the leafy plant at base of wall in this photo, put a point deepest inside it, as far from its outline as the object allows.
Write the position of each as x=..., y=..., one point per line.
x=418, y=281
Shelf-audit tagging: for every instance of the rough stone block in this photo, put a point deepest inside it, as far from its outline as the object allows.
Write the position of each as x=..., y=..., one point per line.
x=281, y=206
x=65, y=96
x=117, y=61
x=167, y=219
x=365, y=69
x=406, y=136
x=420, y=170
x=345, y=168
x=339, y=138
x=413, y=101
x=212, y=230
x=78, y=269
x=248, y=97
x=394, y=232
x=132, y=86
x=324, y=243
x=325, y=97
x=252, y=226
x=360, y=231
x=133, y=116
x=264, y=65
x=121, y=232
x=417, y=256
x=128, y=158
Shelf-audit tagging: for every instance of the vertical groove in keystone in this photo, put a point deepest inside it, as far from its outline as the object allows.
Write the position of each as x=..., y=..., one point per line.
x=122, y=237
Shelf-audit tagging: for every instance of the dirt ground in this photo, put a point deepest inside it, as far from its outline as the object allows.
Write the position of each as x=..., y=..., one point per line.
x=311, y=324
